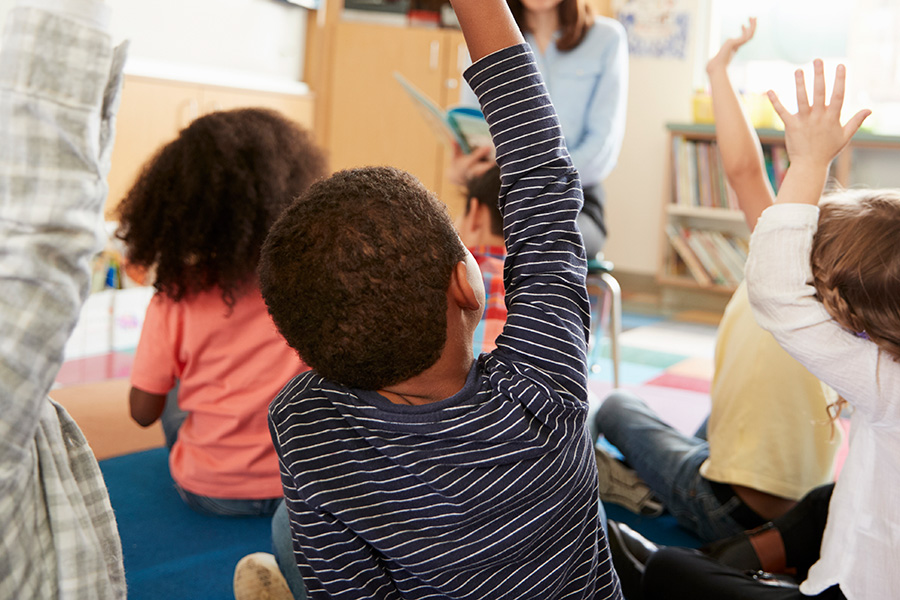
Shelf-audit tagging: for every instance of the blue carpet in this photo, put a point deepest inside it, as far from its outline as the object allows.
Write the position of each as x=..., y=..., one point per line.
x=172, y=552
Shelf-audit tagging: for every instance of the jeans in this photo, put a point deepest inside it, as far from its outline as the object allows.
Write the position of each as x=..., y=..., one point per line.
x=283, y=549
x=229, y=507
x=171, y=420
x=669, y=462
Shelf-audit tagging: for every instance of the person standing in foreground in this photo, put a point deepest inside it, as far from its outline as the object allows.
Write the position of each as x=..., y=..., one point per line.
x=411, y=469
x=59, y=89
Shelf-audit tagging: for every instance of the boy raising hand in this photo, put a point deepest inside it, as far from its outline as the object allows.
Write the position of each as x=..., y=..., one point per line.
x=410, y=470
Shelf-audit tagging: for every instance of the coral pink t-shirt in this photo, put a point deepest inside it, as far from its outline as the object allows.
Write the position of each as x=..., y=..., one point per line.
x=230, y=367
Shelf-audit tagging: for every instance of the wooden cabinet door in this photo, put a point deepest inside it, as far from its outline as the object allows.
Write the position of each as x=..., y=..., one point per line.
x=372, y=121
x=151, y=114
x=298, y=108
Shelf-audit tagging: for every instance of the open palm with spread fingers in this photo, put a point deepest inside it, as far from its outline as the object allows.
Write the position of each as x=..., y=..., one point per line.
x=814, y=134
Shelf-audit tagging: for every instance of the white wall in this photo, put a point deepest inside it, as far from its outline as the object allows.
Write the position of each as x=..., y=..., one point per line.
x=262, y=37
x=659, y=92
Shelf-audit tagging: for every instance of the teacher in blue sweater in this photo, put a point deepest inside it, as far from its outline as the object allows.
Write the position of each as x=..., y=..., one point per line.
x=584, y=61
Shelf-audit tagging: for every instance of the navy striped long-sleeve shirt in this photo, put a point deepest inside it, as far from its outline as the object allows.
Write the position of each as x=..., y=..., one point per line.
x=491, y=493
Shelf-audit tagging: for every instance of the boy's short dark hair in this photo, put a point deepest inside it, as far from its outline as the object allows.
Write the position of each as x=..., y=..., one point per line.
x=355, y=275
x=485, y=188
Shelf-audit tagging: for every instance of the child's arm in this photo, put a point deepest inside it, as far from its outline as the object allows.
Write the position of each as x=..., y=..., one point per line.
x=487, y=25
x=146, y=408
x=540, y=197
x=742, y=156
x=778, y=269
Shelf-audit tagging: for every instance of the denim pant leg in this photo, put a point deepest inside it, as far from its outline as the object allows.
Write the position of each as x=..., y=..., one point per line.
x=283, y=549
x=229, y=507
x=669, y=462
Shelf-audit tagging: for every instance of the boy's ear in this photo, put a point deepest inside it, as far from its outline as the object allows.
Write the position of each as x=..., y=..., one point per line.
x=461, y=290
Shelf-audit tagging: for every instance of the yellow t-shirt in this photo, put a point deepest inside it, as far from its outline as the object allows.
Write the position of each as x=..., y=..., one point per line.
x=768, y=428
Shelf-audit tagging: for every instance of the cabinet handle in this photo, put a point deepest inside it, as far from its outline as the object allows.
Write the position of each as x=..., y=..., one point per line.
x=452, y=84
x=435, y=55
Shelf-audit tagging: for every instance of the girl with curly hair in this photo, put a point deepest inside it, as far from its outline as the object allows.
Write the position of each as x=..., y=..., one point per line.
x=197, y=217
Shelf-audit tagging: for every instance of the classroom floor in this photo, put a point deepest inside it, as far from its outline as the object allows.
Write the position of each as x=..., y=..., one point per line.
x=666, y=358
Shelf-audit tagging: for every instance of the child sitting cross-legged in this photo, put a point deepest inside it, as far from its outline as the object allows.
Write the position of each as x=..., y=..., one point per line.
x=197, y=216
x=411, y=469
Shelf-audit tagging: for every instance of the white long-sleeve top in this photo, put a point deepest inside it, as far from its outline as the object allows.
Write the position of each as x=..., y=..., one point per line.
x=861, y=546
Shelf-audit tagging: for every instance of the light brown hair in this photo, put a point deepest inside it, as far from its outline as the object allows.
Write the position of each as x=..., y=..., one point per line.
x=575, y=19
x=855, y=263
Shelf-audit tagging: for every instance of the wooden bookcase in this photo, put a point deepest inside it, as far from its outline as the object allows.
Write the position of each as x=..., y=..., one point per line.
x=703, y=230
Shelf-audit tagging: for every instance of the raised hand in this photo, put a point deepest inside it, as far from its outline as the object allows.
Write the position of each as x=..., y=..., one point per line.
x=723, y=57
x=814, y=134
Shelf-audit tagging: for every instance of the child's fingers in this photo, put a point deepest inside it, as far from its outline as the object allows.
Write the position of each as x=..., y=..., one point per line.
x=855, y=122
x=802, y=99
x=818, y=83
x=837, y=94
x=778, y=106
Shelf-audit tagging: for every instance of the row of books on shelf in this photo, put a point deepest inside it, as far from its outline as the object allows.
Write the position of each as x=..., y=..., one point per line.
x=700, y=180
x=710, y=257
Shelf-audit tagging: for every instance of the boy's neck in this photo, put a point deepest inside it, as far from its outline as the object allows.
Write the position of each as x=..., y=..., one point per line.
x=442, y=380
x=447, y=376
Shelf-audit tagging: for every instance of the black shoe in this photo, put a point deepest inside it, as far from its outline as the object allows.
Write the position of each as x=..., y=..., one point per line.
x=630, y=552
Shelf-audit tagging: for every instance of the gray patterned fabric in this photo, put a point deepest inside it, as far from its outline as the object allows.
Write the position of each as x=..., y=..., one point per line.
x=59, y=85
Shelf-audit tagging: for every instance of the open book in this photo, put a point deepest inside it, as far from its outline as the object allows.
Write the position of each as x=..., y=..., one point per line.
x=462, y=125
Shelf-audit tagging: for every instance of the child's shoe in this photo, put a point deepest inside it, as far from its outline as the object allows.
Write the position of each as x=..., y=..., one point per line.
x=621, y=485
x=257, y=577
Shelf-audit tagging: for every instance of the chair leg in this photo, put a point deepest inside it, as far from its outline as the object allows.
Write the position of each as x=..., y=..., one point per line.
x=615, y=322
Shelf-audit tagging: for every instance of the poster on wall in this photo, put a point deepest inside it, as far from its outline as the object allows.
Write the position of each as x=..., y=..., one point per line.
x=656, y=28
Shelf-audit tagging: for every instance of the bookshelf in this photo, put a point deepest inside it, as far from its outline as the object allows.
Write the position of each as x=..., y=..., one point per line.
x=704, y=238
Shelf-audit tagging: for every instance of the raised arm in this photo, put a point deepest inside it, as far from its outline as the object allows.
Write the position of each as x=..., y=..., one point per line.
x=814, y=135
x=742, y=155
x=59, y=82
x=487, y=25
x=778, y=269
x=540, y=197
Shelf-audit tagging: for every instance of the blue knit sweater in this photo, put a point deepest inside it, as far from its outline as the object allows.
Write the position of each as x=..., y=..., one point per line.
x=491, y=493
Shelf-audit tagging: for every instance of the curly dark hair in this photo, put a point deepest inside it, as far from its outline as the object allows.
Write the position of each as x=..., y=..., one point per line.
x=355, y=274
x=201, y=207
